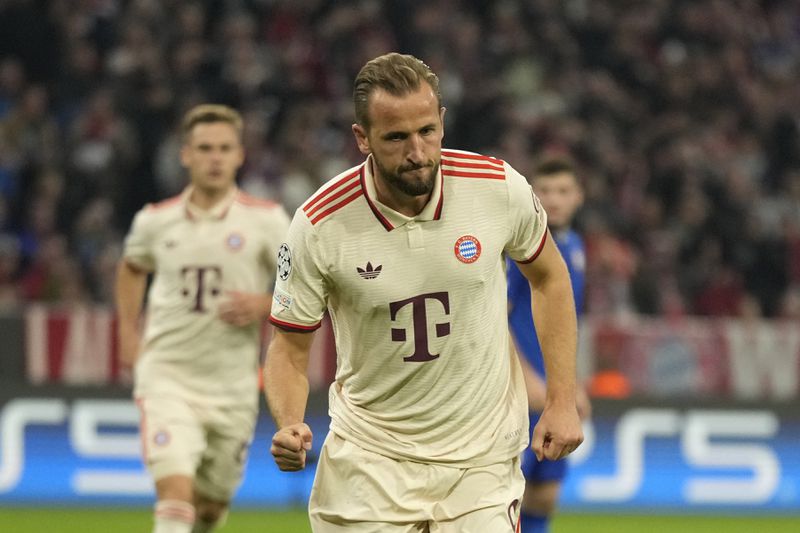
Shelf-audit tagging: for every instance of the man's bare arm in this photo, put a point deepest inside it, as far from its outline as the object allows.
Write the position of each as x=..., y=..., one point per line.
x=286, y=391
x=129, y=290
x=559, y=430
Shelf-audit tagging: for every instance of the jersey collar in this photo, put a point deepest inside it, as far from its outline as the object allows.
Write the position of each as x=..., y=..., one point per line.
x=388, y=217
x=217, y=212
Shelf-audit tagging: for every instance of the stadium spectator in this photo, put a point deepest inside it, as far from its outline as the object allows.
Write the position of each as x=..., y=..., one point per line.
x=212, y=253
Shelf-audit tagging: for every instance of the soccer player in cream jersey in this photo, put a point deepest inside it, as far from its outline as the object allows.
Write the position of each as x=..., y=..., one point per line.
x=212, y=252
x=406, y=251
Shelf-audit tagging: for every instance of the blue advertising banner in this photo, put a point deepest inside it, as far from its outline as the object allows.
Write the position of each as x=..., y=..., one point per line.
x=672, y=459
x=56, y=451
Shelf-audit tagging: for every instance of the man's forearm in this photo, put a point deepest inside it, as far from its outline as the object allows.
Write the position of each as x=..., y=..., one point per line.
x=128, y=294
x=285, y=379
x=556, y=326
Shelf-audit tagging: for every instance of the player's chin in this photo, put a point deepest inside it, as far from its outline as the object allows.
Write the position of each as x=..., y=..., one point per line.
x=418, y=186
x=217, y=181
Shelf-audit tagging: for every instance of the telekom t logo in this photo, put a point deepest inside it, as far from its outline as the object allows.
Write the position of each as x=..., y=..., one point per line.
x=199, y=280
x=421, y=352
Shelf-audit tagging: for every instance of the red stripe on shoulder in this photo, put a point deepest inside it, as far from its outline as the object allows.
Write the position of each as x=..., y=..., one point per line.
x=323, y=195
x=165, y=203
x=482, y=175
x=252, y=201
x=472, y=166
x=288, y=326
x=468, y=165
x=337, y=206
x=471, y=156
x=332, y=198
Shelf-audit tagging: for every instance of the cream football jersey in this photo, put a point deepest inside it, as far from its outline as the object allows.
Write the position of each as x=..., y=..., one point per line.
x=418, y=306
x=196, y=257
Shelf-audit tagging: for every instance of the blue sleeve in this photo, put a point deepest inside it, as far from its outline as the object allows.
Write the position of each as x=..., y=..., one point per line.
x=520, y=317
x=574, y=254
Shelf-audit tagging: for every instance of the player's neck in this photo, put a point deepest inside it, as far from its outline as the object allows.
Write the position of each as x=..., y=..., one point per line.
x=208, y=198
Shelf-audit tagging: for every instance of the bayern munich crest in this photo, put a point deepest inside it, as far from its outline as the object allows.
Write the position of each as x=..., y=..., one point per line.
x=235, y=241
x=161, y=438
x=467, y=249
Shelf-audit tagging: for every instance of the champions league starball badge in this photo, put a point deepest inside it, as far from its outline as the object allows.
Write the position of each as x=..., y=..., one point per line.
x=284, y=262
x=467, y=249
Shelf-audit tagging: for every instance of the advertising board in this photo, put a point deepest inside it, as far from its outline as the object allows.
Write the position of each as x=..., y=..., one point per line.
x=86, y=451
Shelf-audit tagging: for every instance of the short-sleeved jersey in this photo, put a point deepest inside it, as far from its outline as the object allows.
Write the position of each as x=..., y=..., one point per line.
x=520, y=316
x=418, y=306
x=196, y=256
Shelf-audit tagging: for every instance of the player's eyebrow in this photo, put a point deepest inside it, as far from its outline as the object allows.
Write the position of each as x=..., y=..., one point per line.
x=403, y=134
x=208, y=145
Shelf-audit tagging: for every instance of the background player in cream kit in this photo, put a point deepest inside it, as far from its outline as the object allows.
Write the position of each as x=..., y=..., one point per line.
x=212, y=252
x=406, y=251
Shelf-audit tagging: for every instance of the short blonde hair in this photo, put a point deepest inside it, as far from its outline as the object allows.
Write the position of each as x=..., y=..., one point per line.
x=207, y=113
x=397, y=74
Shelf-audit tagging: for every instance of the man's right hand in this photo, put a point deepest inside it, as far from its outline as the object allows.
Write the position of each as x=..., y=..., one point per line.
x=289, y=446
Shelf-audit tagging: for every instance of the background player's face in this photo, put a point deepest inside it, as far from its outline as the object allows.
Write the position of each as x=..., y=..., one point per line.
x=405, y=139
x=212, y=154
x=561, y=196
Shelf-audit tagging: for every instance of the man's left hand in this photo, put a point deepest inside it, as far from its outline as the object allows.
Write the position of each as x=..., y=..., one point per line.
x=558, y=432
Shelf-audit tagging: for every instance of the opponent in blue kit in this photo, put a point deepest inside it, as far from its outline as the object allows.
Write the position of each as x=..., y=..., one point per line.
x=557, y=186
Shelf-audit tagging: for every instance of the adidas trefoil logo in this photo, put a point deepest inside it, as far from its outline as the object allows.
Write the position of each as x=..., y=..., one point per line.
x=369, y=272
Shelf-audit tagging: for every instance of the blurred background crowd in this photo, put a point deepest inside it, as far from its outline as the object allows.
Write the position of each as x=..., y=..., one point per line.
x=683, y=118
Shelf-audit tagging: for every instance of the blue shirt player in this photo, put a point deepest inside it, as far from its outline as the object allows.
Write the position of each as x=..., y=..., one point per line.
x=557, y=186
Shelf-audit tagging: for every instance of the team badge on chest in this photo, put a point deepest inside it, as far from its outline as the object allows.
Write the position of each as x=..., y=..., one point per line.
x=234, y=241
x=467, y=249
x=161, y=438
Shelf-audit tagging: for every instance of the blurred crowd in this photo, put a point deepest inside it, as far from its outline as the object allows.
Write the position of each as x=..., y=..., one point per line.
x=682, y=117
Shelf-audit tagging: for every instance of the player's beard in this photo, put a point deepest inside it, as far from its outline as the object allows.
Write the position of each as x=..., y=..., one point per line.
x=403, y=181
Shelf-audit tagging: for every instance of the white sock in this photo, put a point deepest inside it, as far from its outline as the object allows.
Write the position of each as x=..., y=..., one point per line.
x=173, y=516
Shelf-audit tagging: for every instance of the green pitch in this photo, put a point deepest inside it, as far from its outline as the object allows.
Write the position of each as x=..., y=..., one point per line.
x=295, y=521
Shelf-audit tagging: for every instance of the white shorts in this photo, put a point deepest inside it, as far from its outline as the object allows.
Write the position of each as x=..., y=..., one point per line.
x=207, y=443
x=360, y=491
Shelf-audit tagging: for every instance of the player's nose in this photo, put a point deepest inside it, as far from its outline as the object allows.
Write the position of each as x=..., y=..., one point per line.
x=415, y=150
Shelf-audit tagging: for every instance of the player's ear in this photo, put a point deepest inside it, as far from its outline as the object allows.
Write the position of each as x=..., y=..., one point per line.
x=362, y=140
